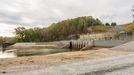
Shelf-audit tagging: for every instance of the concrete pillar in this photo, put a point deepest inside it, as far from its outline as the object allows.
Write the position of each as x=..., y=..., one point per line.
x=82, y=44
x=79, y=44
x=74, y=44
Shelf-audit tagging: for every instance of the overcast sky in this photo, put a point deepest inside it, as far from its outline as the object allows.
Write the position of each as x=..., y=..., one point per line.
x=41, y=13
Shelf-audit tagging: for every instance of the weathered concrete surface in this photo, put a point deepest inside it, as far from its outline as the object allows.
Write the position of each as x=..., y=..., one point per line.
x=122, y=65
x=108, y=43
x=88, y=47
x=30, y=44
x=127, y=46
x=79, y=44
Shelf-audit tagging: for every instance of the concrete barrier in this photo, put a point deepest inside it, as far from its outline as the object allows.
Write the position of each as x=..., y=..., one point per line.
x=79, y=44
x=30, y=44
x=75, y=44
x=108, y=43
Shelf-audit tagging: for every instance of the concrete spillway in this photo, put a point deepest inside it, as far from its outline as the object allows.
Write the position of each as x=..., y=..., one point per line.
x=79, y=44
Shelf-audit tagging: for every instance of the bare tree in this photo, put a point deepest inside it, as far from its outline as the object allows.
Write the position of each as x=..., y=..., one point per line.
x=133, y=13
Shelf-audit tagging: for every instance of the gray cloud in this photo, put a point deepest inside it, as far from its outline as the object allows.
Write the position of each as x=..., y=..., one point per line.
x=37, y=11
x=41, y=13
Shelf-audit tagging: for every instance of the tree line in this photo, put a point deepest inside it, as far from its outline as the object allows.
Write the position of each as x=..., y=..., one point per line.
x=62, y=30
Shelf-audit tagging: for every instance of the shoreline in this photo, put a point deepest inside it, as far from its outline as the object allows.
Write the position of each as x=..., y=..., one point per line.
x=59, y=58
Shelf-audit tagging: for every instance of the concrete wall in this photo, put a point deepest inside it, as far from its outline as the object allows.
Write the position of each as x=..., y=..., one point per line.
x=108, y=43
x=78, y=44
x=97, y=36
x=26, y=44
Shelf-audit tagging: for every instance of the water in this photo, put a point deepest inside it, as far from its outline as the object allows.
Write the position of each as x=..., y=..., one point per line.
x=29, y=52
x=7, y=54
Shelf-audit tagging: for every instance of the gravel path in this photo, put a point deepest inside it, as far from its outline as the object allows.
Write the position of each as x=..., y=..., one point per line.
x=122, y=65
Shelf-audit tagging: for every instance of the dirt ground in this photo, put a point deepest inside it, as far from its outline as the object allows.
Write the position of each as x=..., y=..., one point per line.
x=60, y=58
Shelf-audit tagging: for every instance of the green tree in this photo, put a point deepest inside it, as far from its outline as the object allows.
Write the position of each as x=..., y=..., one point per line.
x=113, y=24
x=20, y=34
x=57, y=31
x=107, y=24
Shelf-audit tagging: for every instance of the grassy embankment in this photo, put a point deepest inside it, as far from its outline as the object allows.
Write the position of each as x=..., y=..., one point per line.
x=128, y=27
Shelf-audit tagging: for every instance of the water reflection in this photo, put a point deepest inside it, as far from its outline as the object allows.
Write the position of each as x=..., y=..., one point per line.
x=29, y=52
x=7, y=54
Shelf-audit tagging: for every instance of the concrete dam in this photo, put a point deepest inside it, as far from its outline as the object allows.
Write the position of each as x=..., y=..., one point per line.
x=79, y=44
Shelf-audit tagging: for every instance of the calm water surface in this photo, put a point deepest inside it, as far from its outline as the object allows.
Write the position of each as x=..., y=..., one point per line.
x=29, y=52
